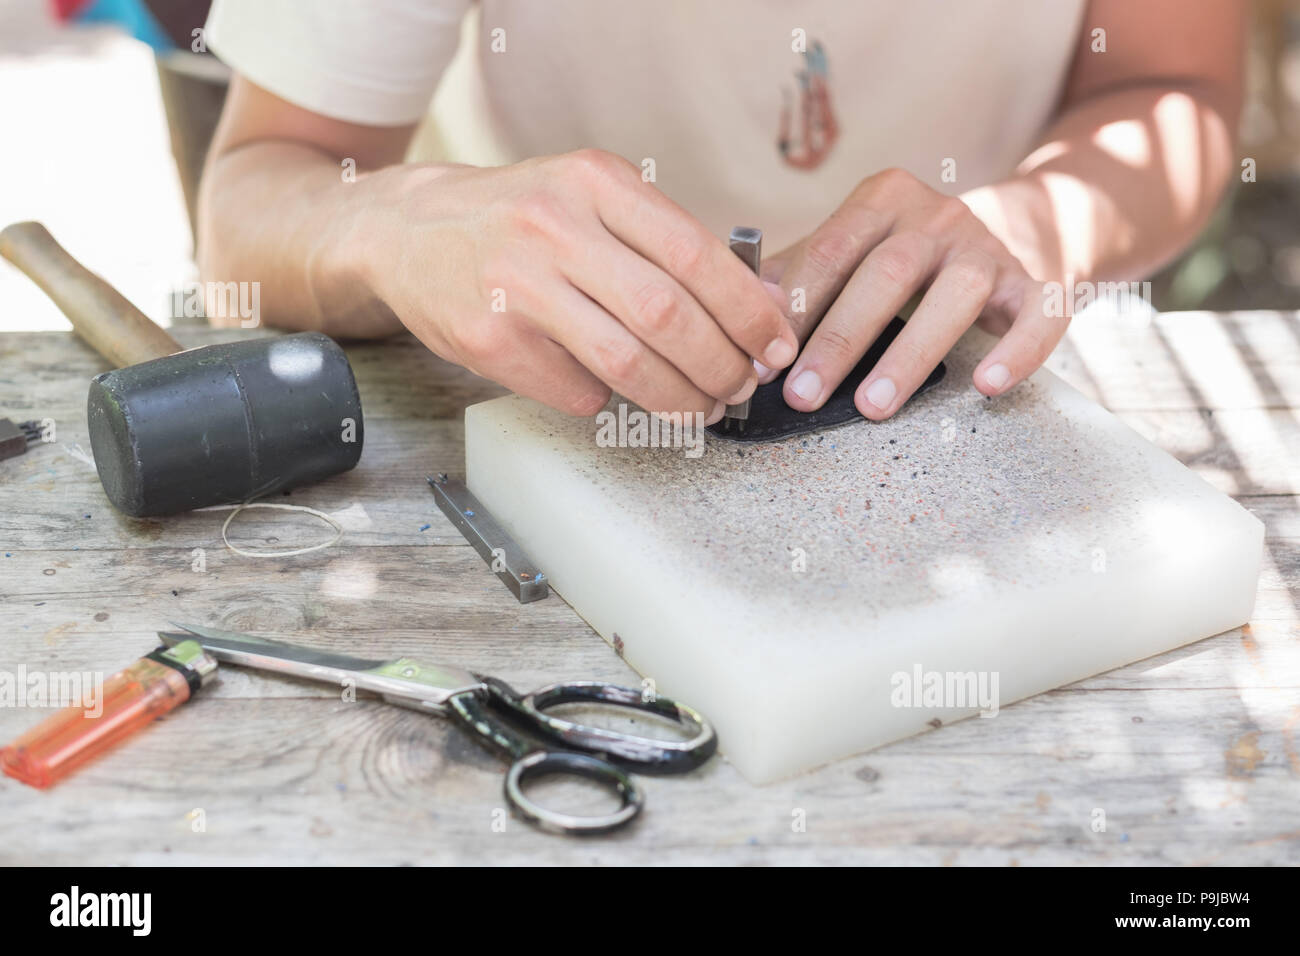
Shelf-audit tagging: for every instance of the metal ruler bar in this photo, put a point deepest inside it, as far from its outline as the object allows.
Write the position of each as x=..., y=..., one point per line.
x=506, y=559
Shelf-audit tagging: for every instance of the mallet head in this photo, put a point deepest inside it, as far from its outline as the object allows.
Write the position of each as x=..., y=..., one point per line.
x=224, y=423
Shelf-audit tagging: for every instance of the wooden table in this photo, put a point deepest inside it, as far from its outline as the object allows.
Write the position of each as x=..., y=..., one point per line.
x=1192, y=757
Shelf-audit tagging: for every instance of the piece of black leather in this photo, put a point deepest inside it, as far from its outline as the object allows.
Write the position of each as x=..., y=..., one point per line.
x=771, y=419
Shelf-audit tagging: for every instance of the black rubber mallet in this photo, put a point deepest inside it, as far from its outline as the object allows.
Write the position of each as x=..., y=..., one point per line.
x=174, y=429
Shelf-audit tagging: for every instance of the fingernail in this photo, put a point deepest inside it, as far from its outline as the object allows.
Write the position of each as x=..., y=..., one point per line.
x=715, y=416
x=997, y=376
x=807, y=385
x=744, y=393
x=779, y=354
x=881, y=393
x=775, y=291
x=765, y=374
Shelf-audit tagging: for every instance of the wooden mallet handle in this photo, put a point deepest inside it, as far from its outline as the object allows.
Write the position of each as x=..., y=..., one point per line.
x=100, y=314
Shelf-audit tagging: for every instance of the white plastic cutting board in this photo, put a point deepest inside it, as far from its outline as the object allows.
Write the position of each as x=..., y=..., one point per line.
x=784, y=588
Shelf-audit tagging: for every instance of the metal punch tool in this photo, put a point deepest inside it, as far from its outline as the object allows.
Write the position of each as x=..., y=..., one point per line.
x=500, y=717
x=747, y=243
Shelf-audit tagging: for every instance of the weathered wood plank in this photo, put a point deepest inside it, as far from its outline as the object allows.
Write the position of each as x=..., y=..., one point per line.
x=50, y=491
x=1192, y=755
x=1184, y=360
x=46, y=374
x=322, y=781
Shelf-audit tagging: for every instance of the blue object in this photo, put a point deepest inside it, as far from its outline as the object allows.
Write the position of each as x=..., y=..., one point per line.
x=132, y=16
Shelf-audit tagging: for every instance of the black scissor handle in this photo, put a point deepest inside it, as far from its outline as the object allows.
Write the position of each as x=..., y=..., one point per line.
x=474, y=710
x=541, y=763
x=644, y=754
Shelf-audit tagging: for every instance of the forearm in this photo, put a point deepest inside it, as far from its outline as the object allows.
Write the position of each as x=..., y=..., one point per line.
x=282, y=215
x=1119, y=185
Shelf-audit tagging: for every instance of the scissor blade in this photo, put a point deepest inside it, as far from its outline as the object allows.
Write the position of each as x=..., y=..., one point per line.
x=232, y=647
x=401, y=681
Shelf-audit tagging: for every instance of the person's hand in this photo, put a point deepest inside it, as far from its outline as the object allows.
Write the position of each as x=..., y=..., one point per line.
x=893, y=236
x=568, y=276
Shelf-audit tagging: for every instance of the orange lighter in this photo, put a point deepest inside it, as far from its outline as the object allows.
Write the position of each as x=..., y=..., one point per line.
x=131, y=698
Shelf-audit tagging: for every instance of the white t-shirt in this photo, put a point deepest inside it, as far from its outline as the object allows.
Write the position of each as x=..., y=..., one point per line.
x=747, y=112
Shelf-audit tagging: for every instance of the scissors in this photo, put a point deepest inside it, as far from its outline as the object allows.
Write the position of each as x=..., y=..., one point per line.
x=496, y=713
